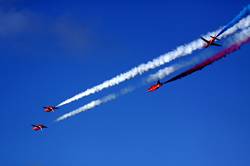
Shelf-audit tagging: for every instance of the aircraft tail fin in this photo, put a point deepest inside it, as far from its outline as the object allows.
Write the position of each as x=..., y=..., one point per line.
x=159, y=82
x=215, y=37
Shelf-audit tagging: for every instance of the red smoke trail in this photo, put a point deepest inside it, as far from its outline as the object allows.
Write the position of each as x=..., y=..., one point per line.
x=210, y=60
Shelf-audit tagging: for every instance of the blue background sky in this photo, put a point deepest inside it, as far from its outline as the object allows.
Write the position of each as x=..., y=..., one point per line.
x=52, y=50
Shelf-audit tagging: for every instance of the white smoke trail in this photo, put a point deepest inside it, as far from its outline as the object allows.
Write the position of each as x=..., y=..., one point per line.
x=163, y=59
x=241, y=36
x=162, y=73
x=168, y=70
x=95, y=103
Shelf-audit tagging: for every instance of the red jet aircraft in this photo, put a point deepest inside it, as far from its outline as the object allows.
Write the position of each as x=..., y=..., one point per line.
x=50, y=108
x=211, y=41
x=155, y=87
x=38, y=127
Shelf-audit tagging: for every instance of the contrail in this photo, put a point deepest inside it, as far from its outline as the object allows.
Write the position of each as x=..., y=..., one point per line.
x=95, y=103
x=241, y=38
x=180, y=51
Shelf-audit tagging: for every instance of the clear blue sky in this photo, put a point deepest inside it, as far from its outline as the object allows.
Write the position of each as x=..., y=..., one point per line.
x=51, y=50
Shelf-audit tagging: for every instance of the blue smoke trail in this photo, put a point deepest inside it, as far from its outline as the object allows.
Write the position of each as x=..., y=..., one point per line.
x=243, y=13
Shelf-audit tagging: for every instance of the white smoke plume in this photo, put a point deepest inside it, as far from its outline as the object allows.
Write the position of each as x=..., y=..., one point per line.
x=244, y=34
x=95, y=103
x=162, y=73
x=180, y=51
x=239, y=37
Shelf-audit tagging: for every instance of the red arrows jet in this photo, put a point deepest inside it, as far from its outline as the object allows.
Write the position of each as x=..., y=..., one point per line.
x=155, y=87
x=38, y=127
x=50, y=108
x=211, y=41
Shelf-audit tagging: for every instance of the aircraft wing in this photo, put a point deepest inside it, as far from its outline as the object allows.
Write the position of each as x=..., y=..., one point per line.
x=215, y=44
x=204, y=40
